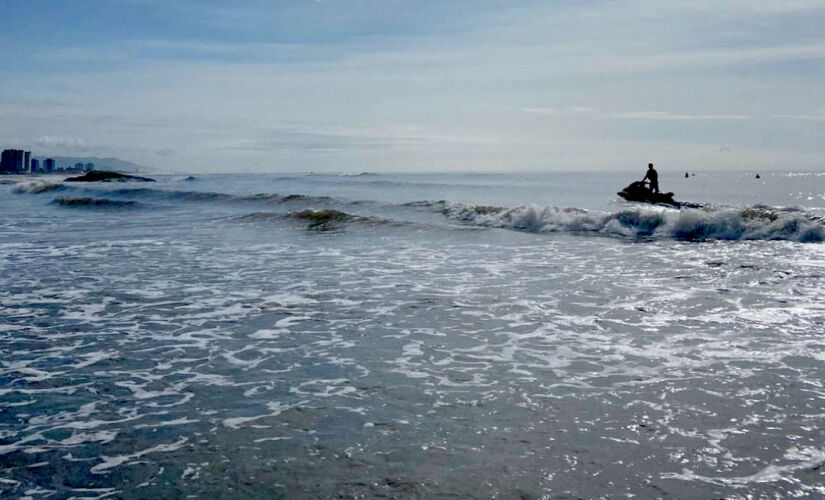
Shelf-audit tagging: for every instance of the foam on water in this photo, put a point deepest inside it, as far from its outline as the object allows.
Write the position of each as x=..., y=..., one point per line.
x=38, y=187
x=174, y=352
x=757, y=223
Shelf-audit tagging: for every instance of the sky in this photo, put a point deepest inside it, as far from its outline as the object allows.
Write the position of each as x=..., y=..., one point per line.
x=417, y=86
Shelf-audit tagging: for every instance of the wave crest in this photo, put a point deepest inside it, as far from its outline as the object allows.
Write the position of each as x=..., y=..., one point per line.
x=206, y=196
x=93, y=202
x=756, y=223
x=34, y=187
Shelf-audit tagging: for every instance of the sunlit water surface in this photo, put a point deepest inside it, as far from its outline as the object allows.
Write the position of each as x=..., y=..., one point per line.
x=461, y=336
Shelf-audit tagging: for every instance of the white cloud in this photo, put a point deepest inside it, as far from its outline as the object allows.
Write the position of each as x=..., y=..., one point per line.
x=753, y=6
x=64, y=143
x=633, y=115
x=815, y=117
x=680, y=60
x=588, y=82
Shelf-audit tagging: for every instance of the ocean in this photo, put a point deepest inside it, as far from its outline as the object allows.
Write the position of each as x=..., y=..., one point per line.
x=412, y=336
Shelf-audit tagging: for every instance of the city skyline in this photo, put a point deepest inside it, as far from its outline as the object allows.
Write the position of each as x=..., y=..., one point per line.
x=20, y=161
x=426, y=86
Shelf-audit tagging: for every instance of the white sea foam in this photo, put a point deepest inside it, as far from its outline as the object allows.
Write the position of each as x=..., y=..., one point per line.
x=288, y=300
x=33, y=187
x=115, y=461
x=90, y=437
x=275, y=438
x=685, y=224
x=169, y=423
x=324, y=388
x=275, y=407
x=269, y=334
x=803, y=459
x=297, y=354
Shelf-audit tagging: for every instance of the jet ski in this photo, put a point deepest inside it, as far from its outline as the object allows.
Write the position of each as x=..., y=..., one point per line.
x=639, y=192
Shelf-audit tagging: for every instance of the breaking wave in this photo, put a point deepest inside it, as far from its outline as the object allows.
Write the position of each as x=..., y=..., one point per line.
x=315, y=219
x=361, y=174
x=34, y=187
x=755, y=223
x=206, y=196
x=146, y=193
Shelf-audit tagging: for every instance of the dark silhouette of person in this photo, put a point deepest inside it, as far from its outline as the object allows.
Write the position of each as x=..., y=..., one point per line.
x=757, y=176
x=686, y=175
x=653, y=176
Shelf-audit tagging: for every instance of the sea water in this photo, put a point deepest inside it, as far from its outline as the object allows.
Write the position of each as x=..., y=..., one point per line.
x=412, y=336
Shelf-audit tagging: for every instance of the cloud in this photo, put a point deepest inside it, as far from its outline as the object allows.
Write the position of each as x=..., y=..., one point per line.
x=632, y=115
x=488, y=83
x=365, y=139
x=67, y=143
x=166, y=152
x=664, y=115
x=814, y=117
x=677, y=60
x=754, y=6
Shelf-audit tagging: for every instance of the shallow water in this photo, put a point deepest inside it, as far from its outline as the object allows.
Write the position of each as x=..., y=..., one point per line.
x=212, y=345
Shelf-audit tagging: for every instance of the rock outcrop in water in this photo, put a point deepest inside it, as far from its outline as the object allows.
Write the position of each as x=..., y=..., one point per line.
x=104, y=176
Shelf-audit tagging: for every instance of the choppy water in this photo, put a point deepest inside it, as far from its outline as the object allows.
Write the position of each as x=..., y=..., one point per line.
x=436, y=336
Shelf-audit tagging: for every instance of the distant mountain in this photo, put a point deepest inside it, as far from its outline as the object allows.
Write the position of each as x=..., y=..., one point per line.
x=115, y=164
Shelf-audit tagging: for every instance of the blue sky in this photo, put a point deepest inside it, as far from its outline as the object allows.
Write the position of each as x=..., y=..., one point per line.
x=394, y=85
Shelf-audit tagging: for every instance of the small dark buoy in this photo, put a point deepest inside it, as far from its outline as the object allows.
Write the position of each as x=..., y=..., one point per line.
x=757, y=176
x=686, y=175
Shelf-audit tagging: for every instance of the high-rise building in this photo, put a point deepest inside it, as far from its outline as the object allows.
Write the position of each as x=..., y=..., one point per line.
x=12, y=160
x=48, y=165
x=20, y=160
x=35, y=165
x=27, y=161
x=5, y=161
x=89, y=167
x=78, y=166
